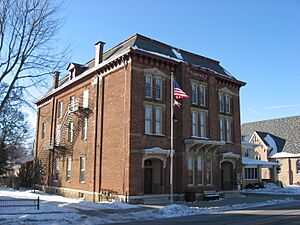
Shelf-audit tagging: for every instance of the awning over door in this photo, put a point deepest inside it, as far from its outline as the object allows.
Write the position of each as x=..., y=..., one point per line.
x=155, y=153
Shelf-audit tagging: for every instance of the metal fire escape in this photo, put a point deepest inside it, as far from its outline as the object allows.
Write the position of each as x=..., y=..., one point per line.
x=63, y=143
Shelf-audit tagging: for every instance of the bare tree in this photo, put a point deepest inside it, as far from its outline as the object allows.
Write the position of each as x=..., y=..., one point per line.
x=28, y=31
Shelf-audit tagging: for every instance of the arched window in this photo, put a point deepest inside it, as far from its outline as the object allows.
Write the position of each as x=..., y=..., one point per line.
x=298, y=166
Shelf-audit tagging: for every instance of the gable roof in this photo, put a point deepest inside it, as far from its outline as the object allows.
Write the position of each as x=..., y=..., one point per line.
x=276, y=144
x=284, y=131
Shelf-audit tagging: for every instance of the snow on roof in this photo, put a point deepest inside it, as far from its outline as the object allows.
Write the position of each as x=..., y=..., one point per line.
x=177, y=53
x=253, y=162
x=272, y=144
x=284, y=155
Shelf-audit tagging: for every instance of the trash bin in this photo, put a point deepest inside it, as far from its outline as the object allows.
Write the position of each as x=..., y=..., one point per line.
x=189, y=196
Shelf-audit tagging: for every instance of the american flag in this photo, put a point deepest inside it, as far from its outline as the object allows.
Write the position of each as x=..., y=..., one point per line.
x=178, y=93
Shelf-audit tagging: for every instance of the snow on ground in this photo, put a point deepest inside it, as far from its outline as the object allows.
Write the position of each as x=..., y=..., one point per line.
x=60, y=210
x=275, y=190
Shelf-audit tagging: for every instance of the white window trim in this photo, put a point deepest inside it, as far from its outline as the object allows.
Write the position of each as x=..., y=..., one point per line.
x=72, y=104
x=151, y=87
x=158, y=108
x=71, y=130
x=204, y=99
x=147, y=106
x=69, y=163
x=56, y=170
x=85, y=129
x=60, y=109
x=82, y=169
x=193, y=170
x=85, y=96
x=202, y=170
x=221, y=102
x=252, y=177
x=211, y=171
x=196, y=93
x=160, y=90
x=195, y=124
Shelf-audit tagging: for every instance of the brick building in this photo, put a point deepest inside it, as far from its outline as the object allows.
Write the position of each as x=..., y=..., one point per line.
x=106, y=126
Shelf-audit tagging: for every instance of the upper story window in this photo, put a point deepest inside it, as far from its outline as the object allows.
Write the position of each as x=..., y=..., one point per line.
x=198, y=94
x=85, y=103
x=225, y=129
x=60, y=109
x=298, y=166
x=148, y=86
x=153, y=87
x=148, y=119
x=72, y=104
x=43, y=130
x=151, y=117
x=158, y=86
x=71, y=132
x=85, y=128
x=225, y=103
x=198, y=123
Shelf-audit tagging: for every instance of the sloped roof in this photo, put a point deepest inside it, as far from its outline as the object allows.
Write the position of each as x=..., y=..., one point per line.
x=284, y=131
x=141, y=43
x=268, y=138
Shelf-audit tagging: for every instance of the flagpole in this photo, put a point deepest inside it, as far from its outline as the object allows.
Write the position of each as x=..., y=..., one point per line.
x=171, y=150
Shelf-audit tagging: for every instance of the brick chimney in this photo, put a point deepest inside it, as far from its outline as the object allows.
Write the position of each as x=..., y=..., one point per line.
x=55, y=79
x=99, y=52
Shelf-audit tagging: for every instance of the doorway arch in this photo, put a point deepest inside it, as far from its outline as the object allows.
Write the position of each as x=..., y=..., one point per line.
x=153, y=176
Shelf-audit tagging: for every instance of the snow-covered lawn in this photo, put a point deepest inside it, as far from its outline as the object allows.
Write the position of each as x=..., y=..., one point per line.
x=60, y=210
x=275, y=190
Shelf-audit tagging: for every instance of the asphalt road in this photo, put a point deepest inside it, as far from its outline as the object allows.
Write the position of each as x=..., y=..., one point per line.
x=278, y=214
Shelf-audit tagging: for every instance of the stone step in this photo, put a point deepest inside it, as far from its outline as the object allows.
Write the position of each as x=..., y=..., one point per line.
x=231, y=194
x=156, y=200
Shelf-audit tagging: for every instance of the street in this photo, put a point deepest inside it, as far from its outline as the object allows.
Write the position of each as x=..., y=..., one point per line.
x=277, y=214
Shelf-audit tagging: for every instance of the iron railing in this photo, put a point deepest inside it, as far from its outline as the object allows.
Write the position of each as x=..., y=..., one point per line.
x=19, y=202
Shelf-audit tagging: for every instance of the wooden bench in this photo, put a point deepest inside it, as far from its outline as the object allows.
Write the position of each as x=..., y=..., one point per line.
x=211, y=195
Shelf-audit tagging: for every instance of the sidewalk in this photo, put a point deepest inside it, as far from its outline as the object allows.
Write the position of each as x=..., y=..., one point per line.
x=246, y=199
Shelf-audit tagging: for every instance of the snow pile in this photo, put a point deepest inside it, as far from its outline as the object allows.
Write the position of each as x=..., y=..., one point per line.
x=76, y=203
x=272, y=144
x=175, y=210
x=275, y=190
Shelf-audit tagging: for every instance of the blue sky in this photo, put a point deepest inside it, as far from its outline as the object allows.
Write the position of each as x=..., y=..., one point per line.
x=256, y=41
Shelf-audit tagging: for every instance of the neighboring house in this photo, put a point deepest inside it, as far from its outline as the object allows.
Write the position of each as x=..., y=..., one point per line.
x=280, y=142
x=255, y=168
x=105, y=128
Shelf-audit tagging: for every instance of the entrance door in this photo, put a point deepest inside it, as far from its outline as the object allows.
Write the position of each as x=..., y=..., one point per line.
x=152, y=176
x=227, y=176
x=148, y=181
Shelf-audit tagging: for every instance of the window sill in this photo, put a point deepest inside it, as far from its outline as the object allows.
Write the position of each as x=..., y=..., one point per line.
x=252, y=179
x=229, y=142
x=198, y=137
x=156, y=135
x=55, y=181
x=82, y=182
